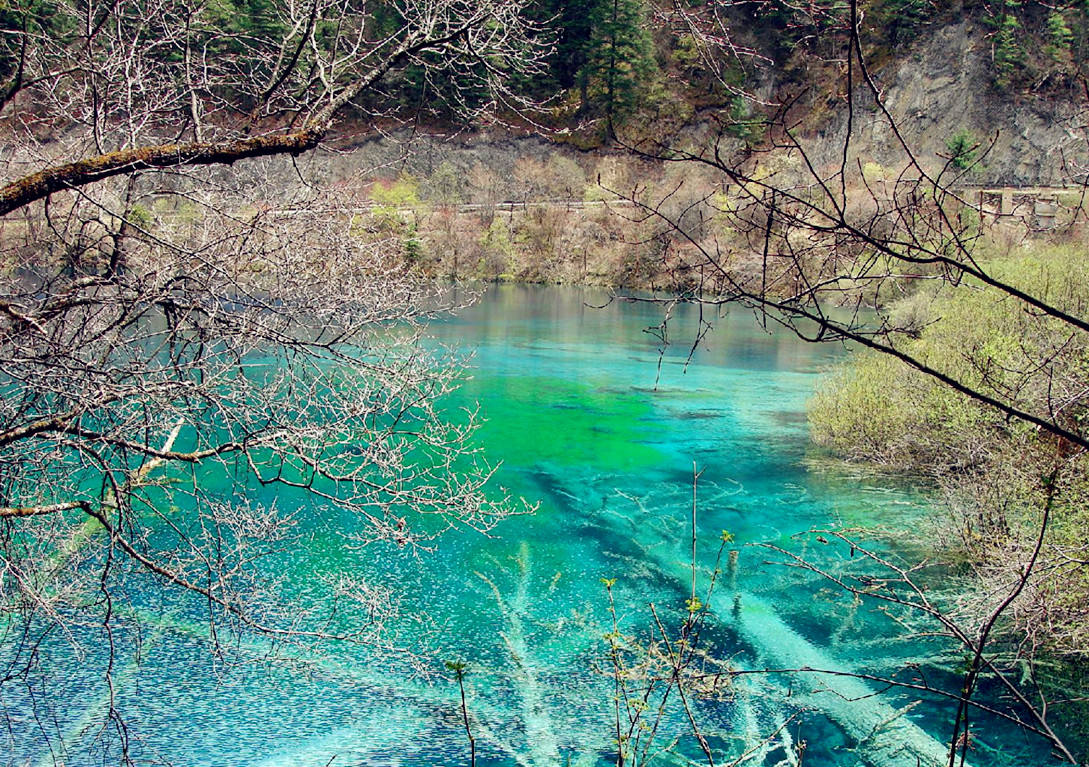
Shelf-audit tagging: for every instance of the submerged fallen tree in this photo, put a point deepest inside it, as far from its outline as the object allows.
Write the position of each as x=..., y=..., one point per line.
x=882, y=734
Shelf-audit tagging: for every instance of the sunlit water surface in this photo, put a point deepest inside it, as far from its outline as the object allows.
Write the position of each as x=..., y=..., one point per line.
x=591, y=421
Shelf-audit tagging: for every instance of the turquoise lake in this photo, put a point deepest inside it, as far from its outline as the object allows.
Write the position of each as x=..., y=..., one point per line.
x=601, y=424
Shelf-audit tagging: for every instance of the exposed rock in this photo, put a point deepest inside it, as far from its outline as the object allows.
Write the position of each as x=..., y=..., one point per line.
x=944, y=87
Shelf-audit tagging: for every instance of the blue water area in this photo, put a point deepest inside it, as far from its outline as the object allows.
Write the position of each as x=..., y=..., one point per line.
x=602, y=425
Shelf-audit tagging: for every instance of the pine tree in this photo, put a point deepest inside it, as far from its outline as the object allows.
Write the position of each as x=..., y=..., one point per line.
x=620, y=63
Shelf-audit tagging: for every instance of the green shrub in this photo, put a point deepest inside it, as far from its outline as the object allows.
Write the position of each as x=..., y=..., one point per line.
x=962, y=147
x=392, y=198
x=997, y=473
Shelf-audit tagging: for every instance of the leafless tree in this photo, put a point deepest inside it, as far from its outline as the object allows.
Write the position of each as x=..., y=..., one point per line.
x=202, y=362
x=826, y=249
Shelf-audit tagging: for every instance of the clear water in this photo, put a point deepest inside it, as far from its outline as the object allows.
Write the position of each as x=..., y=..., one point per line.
x=589, y=420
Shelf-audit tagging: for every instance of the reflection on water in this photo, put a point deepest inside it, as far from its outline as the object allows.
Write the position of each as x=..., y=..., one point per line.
x=593, y=418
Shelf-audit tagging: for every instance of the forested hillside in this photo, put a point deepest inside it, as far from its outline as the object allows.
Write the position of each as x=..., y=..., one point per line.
x=639, y=66
x=966, y=71
x=990, y=89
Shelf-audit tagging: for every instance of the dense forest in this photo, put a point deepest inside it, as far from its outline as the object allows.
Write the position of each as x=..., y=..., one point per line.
x=627, y=62
x=614, y=62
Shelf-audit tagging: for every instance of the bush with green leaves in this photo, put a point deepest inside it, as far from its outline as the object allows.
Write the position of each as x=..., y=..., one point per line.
x=998, y=474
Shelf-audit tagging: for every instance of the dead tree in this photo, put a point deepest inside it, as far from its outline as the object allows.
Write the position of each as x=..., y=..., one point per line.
x=200, y=361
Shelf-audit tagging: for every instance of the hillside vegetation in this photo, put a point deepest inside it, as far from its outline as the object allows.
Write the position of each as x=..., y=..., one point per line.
x=634, y=69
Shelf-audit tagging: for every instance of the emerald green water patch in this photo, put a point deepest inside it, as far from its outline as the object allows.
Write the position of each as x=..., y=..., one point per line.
x=537, y=419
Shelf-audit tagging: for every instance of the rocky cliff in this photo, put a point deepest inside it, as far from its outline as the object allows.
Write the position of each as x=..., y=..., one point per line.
x=944, y=87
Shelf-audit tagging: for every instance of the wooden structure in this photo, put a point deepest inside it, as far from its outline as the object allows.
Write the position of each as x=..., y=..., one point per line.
x=1039, y=207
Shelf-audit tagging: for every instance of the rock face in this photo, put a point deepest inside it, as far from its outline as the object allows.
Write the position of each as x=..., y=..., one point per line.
x=944, y=87
x=941, y=88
